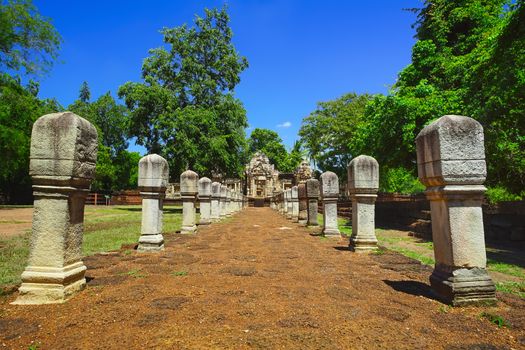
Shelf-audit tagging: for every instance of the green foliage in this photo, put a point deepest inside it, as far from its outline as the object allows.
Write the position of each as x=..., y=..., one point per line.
x=270, y=143
x=501, y=194
x=179, y=273
x=329, y=132
x=399, y=180
x=19, y=109
x=184, y=108
x=84, y=94
x=469, y=60
x=117, y=168
x=28, y=41
x=498, y=320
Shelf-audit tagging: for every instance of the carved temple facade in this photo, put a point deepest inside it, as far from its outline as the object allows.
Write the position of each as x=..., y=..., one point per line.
x=263, y=180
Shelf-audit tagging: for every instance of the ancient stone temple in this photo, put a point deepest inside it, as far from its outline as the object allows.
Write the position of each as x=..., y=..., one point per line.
x=261, y=176
x=303, y=172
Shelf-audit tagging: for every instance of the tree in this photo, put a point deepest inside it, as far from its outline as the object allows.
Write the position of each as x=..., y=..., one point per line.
x=84, y=94
x=328, y=132
x=28, y=41
x=19, y=109
x=115, y=165
x=184, y=108
x=268, y=142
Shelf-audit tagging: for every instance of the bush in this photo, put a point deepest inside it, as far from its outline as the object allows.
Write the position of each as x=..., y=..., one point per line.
x=399, y=180
x=501, y=194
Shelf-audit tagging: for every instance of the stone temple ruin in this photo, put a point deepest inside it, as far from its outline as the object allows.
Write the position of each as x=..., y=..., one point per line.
x=451, y=164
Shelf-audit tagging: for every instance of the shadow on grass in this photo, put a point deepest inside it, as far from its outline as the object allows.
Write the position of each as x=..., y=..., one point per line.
x=412, y=287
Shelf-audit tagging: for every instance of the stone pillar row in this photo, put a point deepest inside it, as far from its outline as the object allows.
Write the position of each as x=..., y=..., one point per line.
x=450, y=160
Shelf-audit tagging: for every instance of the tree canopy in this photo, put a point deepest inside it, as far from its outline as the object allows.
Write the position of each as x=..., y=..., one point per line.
x=184, y=108
x=28, y=41
x=469, y=59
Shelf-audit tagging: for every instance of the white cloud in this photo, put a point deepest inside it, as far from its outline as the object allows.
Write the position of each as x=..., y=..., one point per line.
x=284, y=125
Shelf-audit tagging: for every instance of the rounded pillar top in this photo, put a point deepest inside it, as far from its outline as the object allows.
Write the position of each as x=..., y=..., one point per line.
x=363, y=174
x=329, y=185
x=153, y=173
x=215, y=189
x=204, y=186
x=224, y=191
x=63, y=150
x=188, y=182
x=451, y=151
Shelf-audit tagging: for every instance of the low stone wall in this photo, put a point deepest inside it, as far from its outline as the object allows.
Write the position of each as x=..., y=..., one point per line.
x=503, y=222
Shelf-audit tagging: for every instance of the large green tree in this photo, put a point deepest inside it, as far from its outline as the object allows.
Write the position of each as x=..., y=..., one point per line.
x=116, y=167
x=28, y=41
x=329, y=132
x=184, y=108
x=270, y=143
x=28, y=45
x=19, y=109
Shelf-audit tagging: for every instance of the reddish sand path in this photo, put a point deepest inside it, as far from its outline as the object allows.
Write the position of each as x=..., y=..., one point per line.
x=248, y=283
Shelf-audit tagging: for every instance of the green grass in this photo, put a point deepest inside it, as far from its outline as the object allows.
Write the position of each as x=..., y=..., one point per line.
x=13, y=257
x=134, y=273
x=179, y=273
x=105, y=229
x=516, y=288
x=495, y=319
x=505, y=268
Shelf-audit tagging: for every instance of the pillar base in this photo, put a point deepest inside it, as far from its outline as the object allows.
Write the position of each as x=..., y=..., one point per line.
x=296, y=220
x=149, y=243
x=188, y=229
x=363, y=245
x=331, y=232
x=464, y=286
x=204, y=222
x=50, y=285
x=302, y=222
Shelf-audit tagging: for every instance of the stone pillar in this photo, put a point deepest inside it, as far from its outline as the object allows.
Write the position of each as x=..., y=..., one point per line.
x=188, y=193
x=224, y=196
x=289, y=205
x=215, y=211
x=204, y=187
x=63, y=154
x=363, y=183
x=153, y=179
x=303, y=204
x=330, y=194
x=451, y=164
x=312, y=193
x=228, y=202
x=295, y=204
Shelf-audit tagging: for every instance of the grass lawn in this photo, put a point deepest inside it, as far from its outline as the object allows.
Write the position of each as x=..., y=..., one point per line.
x=105, y=229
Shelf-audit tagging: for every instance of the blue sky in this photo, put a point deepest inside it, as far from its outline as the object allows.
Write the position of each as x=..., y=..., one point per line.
x=300, y=52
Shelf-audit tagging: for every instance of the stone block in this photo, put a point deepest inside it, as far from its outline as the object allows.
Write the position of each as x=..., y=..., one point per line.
x=63, y=157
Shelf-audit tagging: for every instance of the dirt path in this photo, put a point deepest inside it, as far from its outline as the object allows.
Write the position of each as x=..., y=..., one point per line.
x=250, y=283
x=15, y=221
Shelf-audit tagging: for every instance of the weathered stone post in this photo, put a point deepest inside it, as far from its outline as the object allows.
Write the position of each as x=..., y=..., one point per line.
x=289, y=205
x=188, y=193
x=303, y=204
x=363, y=182
x=451, y=164
x=204, y=186
x=295, y=204
x=62, y=164
x=215, y=210
x=153, y=179
x=228, y=202
x=312, y=192
x=330, y=194
x=224, y=195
